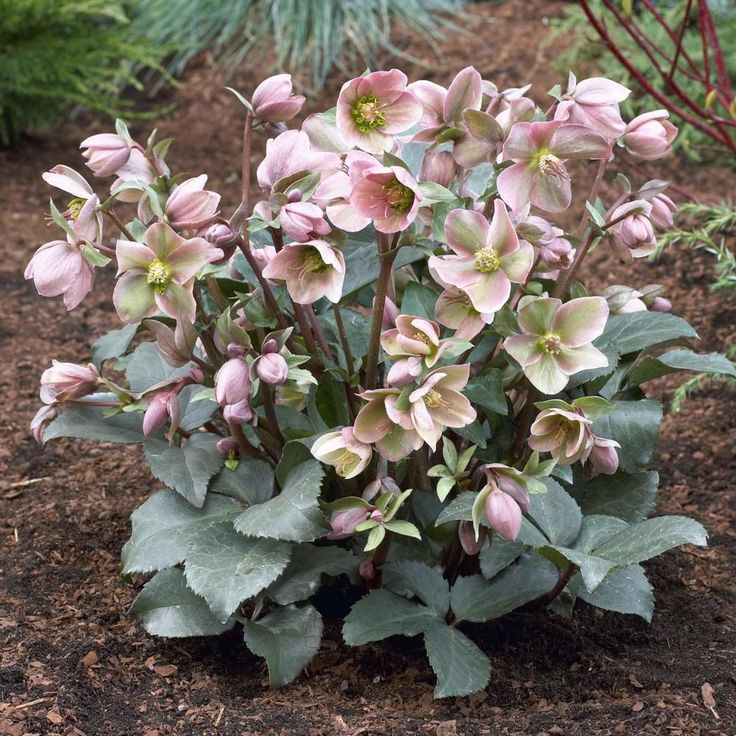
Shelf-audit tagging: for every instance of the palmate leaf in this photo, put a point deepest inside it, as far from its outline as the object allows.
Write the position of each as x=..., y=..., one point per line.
x=287, y=638
x=167, y=607
x=294, y=515
x=556, y=513
x=629, y=333
x=251, y=481
x=630, y=497
x=225, y=567
x=421, y=580
x=625, y=590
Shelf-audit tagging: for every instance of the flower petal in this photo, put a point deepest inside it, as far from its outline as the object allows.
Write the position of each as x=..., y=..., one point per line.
x=536, y=315
x=466, y=231
x=133, y=297
x=583, y=358
x=546, y=376
x=579, y=321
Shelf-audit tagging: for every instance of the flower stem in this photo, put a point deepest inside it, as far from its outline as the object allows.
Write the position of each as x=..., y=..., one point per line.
x=384, y=277
x=118, y=224
x=349, y=364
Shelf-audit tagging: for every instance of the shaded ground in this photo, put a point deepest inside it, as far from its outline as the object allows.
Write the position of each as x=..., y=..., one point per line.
x=72, y=662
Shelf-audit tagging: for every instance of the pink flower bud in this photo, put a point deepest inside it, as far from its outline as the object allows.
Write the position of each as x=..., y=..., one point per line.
x=238, y=413
x=504, y=514
x=190, y=205
x=376, y=515
x=390, y=313
x=439, y=167
x=227, y=445
x=471, y=546
x=603, y=457
x=232, y=383
x=68, y=381
x=649, y=136
x=633, y=235
x=161, y=406
x=44, y=416
x=196, y=374
x=234, y=350
x=660, y=304
x=272, y=368
x=343, y=523
x=106, y=153
x=220, y=234
x=273, y=100
x=367, y=570
x=663, y=211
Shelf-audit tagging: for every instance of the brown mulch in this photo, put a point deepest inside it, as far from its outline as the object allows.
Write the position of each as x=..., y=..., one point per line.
x=73, y=662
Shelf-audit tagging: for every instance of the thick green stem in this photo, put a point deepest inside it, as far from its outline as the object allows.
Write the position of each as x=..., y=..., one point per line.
x=384, y=277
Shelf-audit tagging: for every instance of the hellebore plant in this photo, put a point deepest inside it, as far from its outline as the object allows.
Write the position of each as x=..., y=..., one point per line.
x=380, y=371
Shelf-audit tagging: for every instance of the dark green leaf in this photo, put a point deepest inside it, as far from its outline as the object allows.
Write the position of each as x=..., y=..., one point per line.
x=419, y=300
x=486, y=391
x=427, y=583
x=680, y=360
x=251, y=481
x=629, y=497
x=625, y=590
x=90, y=423
x=640, y=330
x=113, y=345
x=556, y=513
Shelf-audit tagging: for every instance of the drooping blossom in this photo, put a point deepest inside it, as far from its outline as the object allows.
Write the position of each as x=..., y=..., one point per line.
x=632, y=234
x=386, y=424
x=220, y=234
x=158, y=274
x=344, y=451
x=301, y=221
x=190, y=205
x=487, y=258
x=372, y=109
x=162, y=406
x=503, y=500
x=437, y=403
x=270, y=366
x=274, y=101
x=564, y=433
x=389, y=196
x=333, y=192
x=649, y=136
x=345, y=523
x=663, y=211
x=311, y=271
x=105, y=153
x=290, y=154
x=232, y=390
x=68, y=381
x=555, y=250
x=539, y=152
x=454, y=309
x=439, y=167
x=295, y=391
x=594, y=102
x=60, y=266
x=471, y=544
x=603, y=456
x=557, y=338
x=623, y=299
x=414, y=344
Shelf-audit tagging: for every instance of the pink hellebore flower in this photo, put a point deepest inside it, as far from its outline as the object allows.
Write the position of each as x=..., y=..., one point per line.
x=348, y=455
x=415, y=342
x=594, y=102
x=137, y=169
x=270, y=366
x=633, y=235
x=190, y=205
x=162, y=405
x=106, y=153
x=273, y=100
x=333, y=192
x=439, y=167
x=454, y=309
x=344, y=523
x=603, y=457
x=68, y=381
x=69, y=181
x=158, y=274
x=290, y=154
x=372, y=109
x=389, y=196
x=232, y=390
x=557, y=339
x=623, y=299
x=311, y=270
x=663, y=211
x=471, y=544
x=488, y=257
x=59, y=267
x=383, y=423
x=649, y=136
x=539, y=151
x=43, y=417
x=555, y=251
x=564, y=434
x=301, y=221
x=503, y=499
x=437, y=403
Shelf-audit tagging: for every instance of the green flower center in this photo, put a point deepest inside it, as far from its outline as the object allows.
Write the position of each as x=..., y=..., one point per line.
x=551, y=344
x=547, y=163
x=159, y=275
x=346, y=462
x=367, y=114
x=421, y=337
x=486, y=260
x=400, y=197
x=74, y=208
x=313, y=263
x=433, y=399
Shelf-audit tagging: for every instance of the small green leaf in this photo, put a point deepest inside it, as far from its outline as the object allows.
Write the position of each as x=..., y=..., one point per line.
x=375, y=537
x=245, y=103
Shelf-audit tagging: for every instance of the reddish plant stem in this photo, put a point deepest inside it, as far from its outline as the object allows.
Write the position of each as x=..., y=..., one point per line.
x=301, y=318
x=706, y=19
x=118, y=224
x=562, y=581
x=349, y=364
x=318, y=332
x=268, y=408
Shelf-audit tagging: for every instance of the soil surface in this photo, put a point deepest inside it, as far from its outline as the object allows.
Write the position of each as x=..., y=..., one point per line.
x=73, y=662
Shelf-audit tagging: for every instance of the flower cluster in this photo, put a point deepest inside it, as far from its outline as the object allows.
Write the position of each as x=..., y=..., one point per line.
x=399, y=301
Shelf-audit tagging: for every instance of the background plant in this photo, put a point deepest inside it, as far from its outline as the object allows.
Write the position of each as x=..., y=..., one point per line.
x=697, y=79
x=315, y=36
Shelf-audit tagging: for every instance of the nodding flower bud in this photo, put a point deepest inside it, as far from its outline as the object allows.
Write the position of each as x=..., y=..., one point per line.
x=106, y=153
x=196, y=374
x=504, y=514
x=471, y=546
x=660, y=304
x=439, y=167
x=238, y=412
x=390, y=313
x=367, y=570
x=220, y=234
x=232, y=383
x=273, y=100
x=68, y=381
x=649, y=136
x=162, y=406
x=227, y=446
x=603, y=457
x=272, y=368
x=234, y=350
x=633, y=234
x=344, y=523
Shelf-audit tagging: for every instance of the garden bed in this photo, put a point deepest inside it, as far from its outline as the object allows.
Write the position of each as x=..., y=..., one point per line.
x=71, y=657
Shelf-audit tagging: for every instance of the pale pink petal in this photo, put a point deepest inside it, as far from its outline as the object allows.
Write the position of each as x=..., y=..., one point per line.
x=515, y=185
x=517, y=265
x=372, y=422
x=502, y=234
x=600, y=91
x=552, y=192
x=466, y=231
x=133, y=297
x=579, y=142
x=190, y=257
x=454, y=271
x=546, y=375
x=524, y=349
x=402, y=114
x=536, y=316
x=178, y=301
x=432, y=98
x=491, y=292
x=131, y=255
x=65, y=178
x=579, y=321
x=463, y=93
x=583, y=358
x=504, y=515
